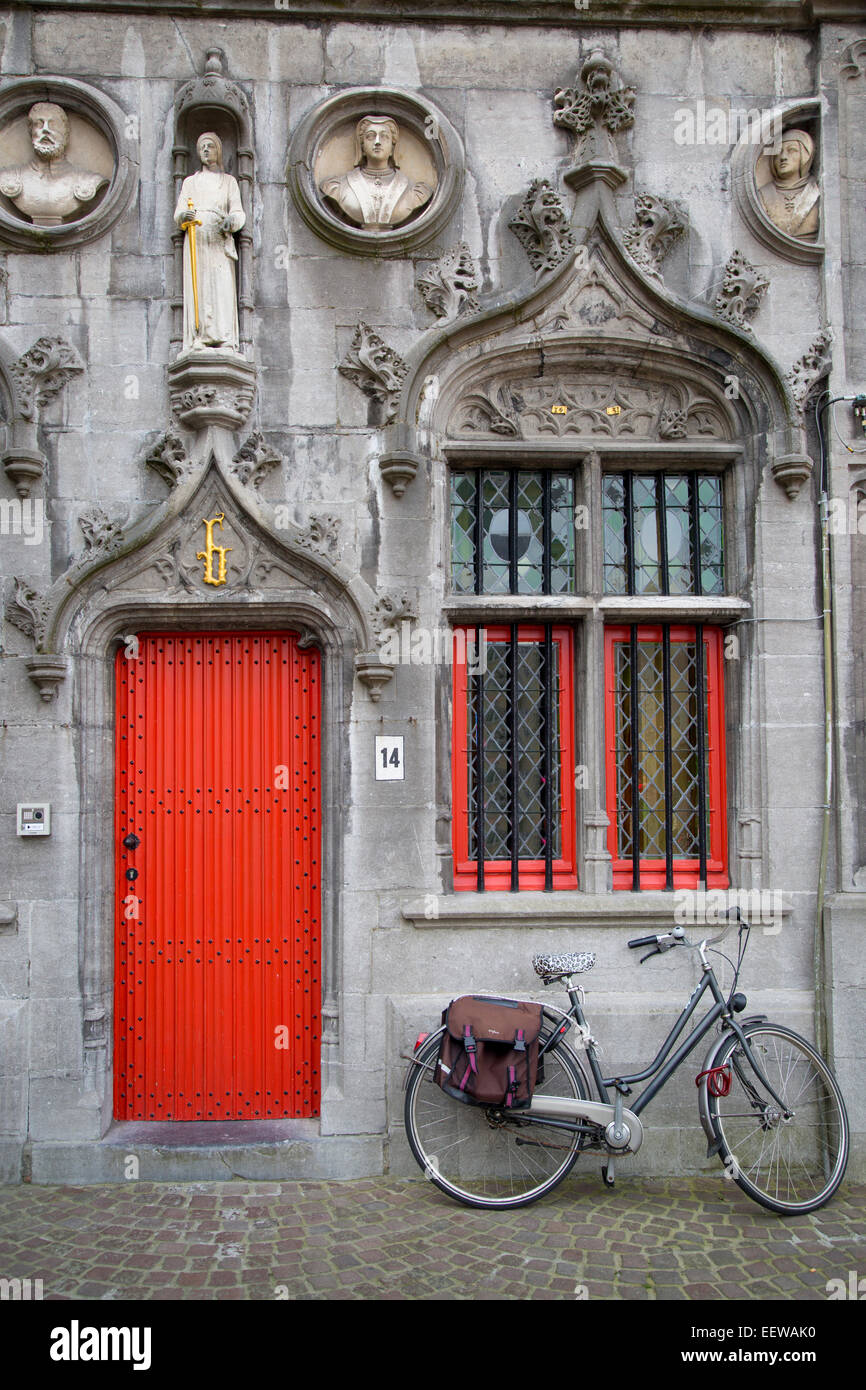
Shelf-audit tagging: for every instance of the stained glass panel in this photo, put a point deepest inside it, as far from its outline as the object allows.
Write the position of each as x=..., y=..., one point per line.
x=513, y=519
x=683, y=510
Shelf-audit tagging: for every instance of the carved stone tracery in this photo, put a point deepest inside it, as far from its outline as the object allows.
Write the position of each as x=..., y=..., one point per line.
x=541, y=226
x=212, y=388
x=596, y=115
x=811, y=368
x=743, y=289
x=254, y=460
x=450, y=286
x=587, y=404
x=321, y=534
x=168, y=458
x=28, y=610
x=375, y=368
x=392, y=609
x=42, y=371
x=598, y=112
x=102, y=536
x=599, y=302
x=657, y=225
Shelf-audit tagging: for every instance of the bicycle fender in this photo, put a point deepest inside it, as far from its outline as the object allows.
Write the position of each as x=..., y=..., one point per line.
x=414, y=1062
x=709, y=1060
x=703, y=1110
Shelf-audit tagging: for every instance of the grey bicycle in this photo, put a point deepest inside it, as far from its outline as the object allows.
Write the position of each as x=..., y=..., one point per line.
x=769, y=1104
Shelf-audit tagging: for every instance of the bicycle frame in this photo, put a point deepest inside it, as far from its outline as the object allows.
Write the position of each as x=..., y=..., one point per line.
x=623, y=1128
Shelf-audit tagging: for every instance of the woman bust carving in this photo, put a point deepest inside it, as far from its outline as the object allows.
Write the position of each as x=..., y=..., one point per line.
x=791, y=199
x=211, y=201
x=375, y=194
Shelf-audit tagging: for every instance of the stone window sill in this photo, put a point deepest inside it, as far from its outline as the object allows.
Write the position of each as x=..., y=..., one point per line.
x=640, y=911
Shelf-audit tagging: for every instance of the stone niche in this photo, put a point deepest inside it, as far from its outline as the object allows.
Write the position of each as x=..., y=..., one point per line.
x=215, y=102
x=752, y=166
x=91, y=179
x=324, y=154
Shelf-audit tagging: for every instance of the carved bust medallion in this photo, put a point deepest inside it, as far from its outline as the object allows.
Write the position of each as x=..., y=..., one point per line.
x=376, y=194
x=376, y=171
x=791, y=199
x=49, y=189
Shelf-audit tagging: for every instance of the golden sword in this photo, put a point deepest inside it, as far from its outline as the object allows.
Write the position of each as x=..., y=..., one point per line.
x=190, y=226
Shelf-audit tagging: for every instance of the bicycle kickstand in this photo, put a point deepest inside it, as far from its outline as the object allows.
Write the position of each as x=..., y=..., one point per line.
x=608, y=1172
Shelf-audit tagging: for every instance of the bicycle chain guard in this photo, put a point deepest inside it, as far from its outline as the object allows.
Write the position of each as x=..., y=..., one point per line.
x=718, y=1080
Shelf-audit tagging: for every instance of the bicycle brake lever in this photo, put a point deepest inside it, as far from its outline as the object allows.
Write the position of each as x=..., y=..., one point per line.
x=656, y=951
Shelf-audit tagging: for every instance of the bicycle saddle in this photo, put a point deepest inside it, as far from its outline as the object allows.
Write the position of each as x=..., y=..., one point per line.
x=568, y=963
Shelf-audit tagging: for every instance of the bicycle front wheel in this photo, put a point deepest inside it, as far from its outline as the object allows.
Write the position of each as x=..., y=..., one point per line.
x=482, y=1155
x=790, y=1161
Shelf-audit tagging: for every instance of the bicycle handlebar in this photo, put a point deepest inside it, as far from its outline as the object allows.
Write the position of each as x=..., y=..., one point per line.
x=664, y=941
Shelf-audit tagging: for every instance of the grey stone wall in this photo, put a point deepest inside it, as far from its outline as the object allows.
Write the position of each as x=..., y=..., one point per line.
x=391, y=967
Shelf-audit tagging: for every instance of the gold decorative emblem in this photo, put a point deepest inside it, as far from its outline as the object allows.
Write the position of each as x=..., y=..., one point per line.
x=559, y=410
x=211, y=550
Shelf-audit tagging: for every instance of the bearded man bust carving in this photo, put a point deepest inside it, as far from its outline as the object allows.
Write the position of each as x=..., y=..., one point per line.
x=210, y=212
x=49, y=189
x=791, y=199
x=375, y=194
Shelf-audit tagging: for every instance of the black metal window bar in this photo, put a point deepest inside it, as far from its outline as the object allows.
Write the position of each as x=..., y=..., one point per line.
x=662, y=752
x=514, y=794
x=512, y=532
x=663, y=533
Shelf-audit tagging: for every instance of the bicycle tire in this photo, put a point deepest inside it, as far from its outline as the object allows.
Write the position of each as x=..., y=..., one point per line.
x=790, y=1166
x=481, y=1155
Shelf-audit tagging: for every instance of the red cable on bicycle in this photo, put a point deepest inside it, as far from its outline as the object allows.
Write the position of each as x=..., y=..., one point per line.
x=718, y=1080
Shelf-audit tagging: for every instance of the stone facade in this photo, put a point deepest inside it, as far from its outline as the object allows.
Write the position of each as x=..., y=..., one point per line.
x=606, y=290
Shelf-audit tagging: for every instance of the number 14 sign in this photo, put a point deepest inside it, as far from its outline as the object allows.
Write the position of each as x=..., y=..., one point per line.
x=390, y=764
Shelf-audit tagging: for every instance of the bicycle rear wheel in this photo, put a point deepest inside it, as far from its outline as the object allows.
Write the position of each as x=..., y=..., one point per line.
x=790, y=1165
x=482, y=1155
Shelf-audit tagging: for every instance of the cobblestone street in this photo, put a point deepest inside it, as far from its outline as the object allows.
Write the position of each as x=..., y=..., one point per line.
x=381, y=1238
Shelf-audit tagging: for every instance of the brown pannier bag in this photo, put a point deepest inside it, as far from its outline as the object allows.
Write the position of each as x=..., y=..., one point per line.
x=489, y=1051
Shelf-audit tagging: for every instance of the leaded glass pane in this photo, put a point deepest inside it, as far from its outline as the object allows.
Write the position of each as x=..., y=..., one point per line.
x=678, y=527
x=512, y=520
x=530, y=533
x=684, y=755
x=613, y=509
x=495, y=547
x=711, y=535
x=529, y=707
x=653, y=749
x=463, y=504
x=623, y=703
x=646, y=535
x=694, y=561
x=562, y=533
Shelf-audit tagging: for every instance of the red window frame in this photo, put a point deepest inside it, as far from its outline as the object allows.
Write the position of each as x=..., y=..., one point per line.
x=685, y=871
x=497, y=872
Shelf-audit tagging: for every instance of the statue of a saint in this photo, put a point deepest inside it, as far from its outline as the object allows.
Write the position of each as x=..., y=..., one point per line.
x=792, y=199
x=49, y=189
x=375, y=194
x=209, y=209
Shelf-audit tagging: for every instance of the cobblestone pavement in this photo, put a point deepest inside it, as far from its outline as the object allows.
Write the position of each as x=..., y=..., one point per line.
x=382, y=1238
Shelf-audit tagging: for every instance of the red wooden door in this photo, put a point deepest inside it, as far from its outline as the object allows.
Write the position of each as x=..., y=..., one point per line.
x=218, y=877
